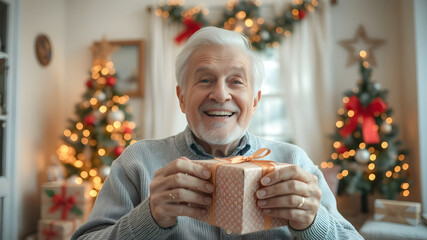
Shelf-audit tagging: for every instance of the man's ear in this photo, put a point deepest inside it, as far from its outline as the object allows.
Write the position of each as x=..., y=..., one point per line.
x=180, y=99
x=256, y=101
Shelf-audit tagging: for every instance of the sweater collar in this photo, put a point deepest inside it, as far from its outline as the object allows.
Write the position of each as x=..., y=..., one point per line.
x=189, y=147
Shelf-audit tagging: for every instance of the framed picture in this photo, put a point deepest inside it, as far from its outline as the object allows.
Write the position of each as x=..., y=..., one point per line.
x=129, y=65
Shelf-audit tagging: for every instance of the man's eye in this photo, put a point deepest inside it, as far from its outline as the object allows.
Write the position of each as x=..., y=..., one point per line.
x=237, y=81
x=204, y=81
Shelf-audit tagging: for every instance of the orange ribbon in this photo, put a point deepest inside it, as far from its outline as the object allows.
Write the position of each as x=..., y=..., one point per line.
x=60, y=200
x=267, y=167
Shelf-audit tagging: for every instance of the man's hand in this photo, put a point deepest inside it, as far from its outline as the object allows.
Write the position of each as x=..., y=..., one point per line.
x=290, y=193
x=178, y=190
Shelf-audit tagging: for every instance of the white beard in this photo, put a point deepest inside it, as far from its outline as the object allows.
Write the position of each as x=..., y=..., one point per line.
x=215, y=135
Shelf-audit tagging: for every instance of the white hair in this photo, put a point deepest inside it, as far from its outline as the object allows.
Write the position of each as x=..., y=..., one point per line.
x=218, y=36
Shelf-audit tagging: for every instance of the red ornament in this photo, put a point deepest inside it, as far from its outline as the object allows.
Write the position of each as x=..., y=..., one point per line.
x=301, y=14
x=111, y=81
x=89, y=120
x=89, y=83
x=191, y=28
x=127, y=130
x=369, y=127
x=118, y=150
x=342, y=149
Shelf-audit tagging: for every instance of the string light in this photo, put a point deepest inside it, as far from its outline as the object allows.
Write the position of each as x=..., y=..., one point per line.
x=84, y=174
x=79, y=126
x=103, y=109
x=373, y=157
x=85, y=141
x=97, y=179
x=339, y=124
x=334, y=156
x=362, y=145
x=345, y=100
x=397, y=169
x=93, y=172
x=78, y=180
x=101, y=152
x=388, y=174
x=404, y=186
x=371, y=166
x=67, y=133
x=344, y=173
x=93, y=193
x=372, y=177
x=405, y=166
x=93, y=101
x=337, y=144
x=384, y=145
x=324, y=165
x=86, y=133
x=405, y=193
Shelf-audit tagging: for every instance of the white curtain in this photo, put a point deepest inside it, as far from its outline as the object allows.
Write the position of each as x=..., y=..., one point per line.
x=304, y=58
x=163, y=116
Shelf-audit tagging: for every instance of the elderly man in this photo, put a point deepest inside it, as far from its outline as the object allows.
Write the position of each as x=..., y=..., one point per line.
x=219, y=81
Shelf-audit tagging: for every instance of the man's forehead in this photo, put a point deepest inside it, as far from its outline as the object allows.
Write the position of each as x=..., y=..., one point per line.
x=238, y=67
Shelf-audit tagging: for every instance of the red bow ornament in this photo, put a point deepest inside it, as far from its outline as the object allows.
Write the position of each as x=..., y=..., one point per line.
x=191, y=27
x=60, y=200
x=366, y=114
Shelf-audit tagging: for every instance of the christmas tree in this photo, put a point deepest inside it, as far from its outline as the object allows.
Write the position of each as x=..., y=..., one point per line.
x=102, y=128
x=365, y=143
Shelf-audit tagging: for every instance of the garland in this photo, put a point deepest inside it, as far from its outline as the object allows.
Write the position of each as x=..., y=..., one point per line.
x=240, y=16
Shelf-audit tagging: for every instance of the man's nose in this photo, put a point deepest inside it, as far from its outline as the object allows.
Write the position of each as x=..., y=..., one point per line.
x=220, y=92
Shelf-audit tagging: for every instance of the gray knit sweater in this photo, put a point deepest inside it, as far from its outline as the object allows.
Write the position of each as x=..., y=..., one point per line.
x=122, y=209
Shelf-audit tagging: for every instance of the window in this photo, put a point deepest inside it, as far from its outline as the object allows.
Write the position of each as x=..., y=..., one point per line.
x=270, y=120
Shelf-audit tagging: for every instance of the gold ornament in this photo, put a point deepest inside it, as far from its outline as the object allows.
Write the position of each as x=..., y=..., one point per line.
x=366, y=53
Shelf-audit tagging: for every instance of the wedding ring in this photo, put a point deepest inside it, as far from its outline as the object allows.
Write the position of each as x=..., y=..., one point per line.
x=301, y=203
x=171, y=196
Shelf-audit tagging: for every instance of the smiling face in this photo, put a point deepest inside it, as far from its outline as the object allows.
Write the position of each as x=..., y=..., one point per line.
x=218, y=98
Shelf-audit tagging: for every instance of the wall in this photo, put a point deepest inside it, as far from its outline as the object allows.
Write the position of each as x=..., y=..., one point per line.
x=38, y=104
x=47, y=95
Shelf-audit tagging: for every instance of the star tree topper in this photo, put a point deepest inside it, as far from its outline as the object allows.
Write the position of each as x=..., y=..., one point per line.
x=101, y=51
x=361, y=42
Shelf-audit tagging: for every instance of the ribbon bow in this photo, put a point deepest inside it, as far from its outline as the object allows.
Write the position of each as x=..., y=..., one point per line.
x=49, y=233
x=60, y=200
x=369, y=130
x=267, y=167
x=191, y=27
x=239, y=159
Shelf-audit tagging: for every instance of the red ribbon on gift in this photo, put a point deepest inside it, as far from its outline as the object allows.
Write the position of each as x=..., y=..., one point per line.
x=61, y=200
x=191, y=27
x=267, y=167
x=369, y=127
x=49, y=233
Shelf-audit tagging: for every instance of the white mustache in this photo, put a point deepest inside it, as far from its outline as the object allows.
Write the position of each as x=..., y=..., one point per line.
x=229, y=106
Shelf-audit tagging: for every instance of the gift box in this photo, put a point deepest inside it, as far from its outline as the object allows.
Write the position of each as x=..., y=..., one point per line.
x=234, y=205
x=65, y=201
x=397, y=211
x=49, y=229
